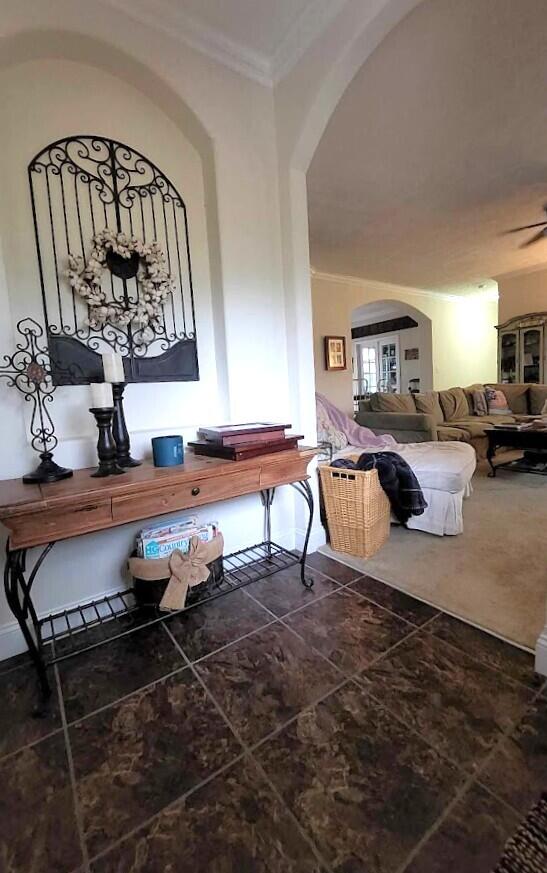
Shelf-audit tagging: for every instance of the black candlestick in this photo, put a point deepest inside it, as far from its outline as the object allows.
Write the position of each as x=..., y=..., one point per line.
x=106, y=447
x=119, y=429
x=47, y=471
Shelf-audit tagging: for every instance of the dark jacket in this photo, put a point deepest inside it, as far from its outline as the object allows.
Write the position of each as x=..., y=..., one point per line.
x=396, y=478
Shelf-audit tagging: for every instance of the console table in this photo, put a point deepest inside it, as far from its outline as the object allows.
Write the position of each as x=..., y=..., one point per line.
x=41, y=515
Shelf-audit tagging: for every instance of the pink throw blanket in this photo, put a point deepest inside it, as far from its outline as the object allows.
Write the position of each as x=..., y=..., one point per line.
x=355, y=433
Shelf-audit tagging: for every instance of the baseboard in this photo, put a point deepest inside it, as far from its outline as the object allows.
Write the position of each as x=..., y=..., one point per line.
x=541, y=653
x=317, y=539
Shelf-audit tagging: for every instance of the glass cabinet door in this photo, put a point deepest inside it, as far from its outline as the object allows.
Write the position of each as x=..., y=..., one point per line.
x=509, y=356
x=531, y=354
x=389, y=362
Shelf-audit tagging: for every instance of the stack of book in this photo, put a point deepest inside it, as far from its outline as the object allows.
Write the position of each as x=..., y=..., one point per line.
x=238, y=441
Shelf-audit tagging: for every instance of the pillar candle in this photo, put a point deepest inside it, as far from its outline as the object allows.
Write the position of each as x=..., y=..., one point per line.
x=101, y=395
x=113, y=367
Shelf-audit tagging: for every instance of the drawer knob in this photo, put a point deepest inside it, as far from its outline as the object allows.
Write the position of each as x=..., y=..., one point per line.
x=195, y=492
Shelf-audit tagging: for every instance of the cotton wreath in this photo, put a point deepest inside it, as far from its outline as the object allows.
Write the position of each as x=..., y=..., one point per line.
x=154, y=281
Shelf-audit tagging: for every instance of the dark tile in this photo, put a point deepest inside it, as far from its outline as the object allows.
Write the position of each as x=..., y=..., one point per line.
x=205, y=628
x=396, y=601
x=495, y=653
x=471, y=839
x=108, y=629
x=456, y=703
x=134, y=758
x=517, y=771
x=284, y=591
x=101, y=676
x=347, y=629
x=363, y=787
x=265, y=679
x=232, y=825
x=339, y=572
x=20, y=695
x=38, y=830
x=13, y=663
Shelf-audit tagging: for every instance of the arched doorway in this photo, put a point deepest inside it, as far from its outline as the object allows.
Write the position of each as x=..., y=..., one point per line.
x=391, y=349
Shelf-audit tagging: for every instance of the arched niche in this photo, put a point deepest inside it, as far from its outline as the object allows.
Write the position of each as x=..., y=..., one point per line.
x=142, y=86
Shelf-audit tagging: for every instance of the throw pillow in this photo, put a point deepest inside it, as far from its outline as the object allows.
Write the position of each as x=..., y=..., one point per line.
x=497, y=402
x=538, y=396
x=454, y=404
x=544, y=409
x=468, y=391
x=480, y=406
x=515, y=394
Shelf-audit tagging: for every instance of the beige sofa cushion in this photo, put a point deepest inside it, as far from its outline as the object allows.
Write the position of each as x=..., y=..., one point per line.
x=429, y=404
x=477, y=427
x=453, y=404
x=392, y=403
x=538, y=396
x=446, y=433
x=517, y=396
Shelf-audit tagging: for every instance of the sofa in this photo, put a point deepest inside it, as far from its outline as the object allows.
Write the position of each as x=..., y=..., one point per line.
x=447, y=416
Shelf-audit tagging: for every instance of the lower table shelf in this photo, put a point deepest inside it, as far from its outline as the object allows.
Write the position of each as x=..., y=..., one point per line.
x=91, y=624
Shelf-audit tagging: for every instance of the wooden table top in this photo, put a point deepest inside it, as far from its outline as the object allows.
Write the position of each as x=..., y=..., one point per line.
x=16, y=498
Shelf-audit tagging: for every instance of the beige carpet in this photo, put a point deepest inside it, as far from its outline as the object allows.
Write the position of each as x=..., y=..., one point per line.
x=494, y=574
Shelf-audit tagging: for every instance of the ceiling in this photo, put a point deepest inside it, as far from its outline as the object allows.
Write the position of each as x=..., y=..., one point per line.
x=437, y=147
x=262, y=39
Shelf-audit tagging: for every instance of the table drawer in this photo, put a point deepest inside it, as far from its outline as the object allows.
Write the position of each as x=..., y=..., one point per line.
x=282, y=474
x=173, y=497
x=53, y=524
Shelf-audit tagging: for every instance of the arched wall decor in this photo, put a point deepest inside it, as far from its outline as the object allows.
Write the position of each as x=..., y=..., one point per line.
x=80, y=186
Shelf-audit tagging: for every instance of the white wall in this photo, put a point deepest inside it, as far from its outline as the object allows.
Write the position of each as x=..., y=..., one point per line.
x=213, y=133
x=522, y=292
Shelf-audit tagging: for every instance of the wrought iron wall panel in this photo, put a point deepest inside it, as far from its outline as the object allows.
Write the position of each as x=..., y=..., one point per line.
x=80, y=186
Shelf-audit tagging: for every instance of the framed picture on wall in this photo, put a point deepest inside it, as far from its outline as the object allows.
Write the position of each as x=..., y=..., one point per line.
x=335, y=353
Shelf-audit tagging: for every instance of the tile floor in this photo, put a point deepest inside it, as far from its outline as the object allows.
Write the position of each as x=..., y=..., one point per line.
x=276, y=730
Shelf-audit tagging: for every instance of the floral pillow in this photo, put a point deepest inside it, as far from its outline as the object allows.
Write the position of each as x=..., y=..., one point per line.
x=326, y=433
x=497, y=402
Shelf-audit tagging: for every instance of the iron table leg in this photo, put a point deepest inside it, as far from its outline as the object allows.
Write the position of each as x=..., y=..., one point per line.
x=304, y=489
x=267, y=497
x=18, y=594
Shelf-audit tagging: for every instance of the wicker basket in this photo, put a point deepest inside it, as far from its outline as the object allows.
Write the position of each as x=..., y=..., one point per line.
x=357, y=509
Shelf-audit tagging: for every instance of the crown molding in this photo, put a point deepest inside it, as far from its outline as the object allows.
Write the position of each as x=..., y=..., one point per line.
x=524, y=271
x=178, y=24
x=381, y=287
x=312, y=21
x=174, y=21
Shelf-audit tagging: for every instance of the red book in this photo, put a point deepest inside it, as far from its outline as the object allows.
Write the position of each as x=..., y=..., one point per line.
x=244, y=450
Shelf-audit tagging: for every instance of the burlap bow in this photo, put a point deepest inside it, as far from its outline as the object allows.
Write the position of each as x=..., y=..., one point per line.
x=189, y=569
x=184, y=569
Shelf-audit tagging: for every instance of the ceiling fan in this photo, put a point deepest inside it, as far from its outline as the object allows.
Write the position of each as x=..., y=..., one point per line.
x=537, y=236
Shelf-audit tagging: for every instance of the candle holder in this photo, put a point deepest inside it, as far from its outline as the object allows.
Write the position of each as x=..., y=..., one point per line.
x=106, y=447
x=29, y=369
x=119, y=429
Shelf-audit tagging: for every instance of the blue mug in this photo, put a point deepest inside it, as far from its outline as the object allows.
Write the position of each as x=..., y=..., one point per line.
x=167, y=451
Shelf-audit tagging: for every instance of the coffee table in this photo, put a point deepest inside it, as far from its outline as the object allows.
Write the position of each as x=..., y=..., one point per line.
x=532, y=442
